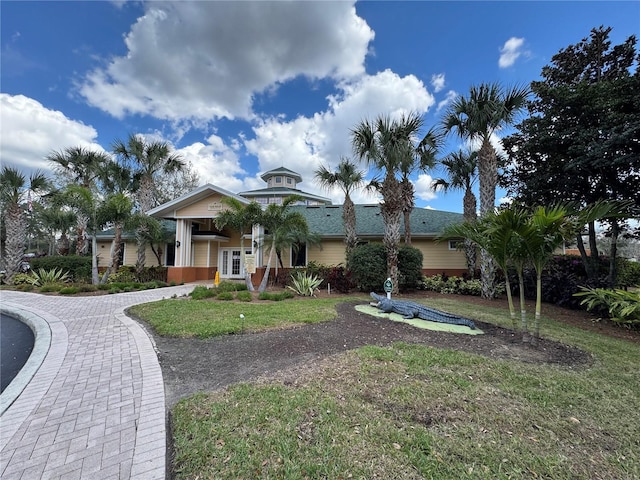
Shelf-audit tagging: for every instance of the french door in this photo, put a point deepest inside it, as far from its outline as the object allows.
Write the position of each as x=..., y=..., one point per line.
x=230, y=263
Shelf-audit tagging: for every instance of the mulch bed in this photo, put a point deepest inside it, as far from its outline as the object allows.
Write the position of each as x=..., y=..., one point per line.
x=195, y=365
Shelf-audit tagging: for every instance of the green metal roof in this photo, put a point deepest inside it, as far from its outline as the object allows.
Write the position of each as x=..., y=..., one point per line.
x=282, y=192
x=326, y=220
x=281, y=171
x=168, y=227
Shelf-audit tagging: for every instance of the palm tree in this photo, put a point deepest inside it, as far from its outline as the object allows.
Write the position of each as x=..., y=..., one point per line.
x=279, y=220
x=493, y=234
x=421, y=158
x=87, y=202
x=79, y=166
x=116, y=209
x=145, y=161
x=348, y=178
x=549, y=227
x=240, y=217
x=14, y=191
x=461, y=168
x=487, y=109
x=385, y=144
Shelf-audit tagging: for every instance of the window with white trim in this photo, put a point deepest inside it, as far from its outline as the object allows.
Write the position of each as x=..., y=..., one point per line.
x=455, y=244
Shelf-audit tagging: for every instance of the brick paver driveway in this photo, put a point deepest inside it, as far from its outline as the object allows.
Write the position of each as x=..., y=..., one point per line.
x=93, y=406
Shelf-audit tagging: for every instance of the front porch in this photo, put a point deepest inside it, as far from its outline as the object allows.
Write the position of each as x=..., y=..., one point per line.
x=206, y=274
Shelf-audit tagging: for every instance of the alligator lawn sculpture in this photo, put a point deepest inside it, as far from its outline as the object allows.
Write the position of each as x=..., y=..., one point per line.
x=416, y=310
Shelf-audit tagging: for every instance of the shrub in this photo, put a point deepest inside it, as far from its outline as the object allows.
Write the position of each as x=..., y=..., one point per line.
x=276, y=297
x=22, y=279
x=78, y=267
x=304, y=284
x=336, y=276
x=42, y=277
x=68, y=290
x=201, y=291
x=628, y=273
x=123, y=275
x=25, y=287
x=150, y=274
x=225, y=296
x=621, y=306
x=456, y=285
x=244, y=296
x=561, y=278
x=226, y=286
x=368, y=267
x=410, y=265
x=339, y=278
x=87, y=287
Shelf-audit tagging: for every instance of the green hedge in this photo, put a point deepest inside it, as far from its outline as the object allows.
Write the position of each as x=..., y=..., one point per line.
x=368, y=267
x=79, y=267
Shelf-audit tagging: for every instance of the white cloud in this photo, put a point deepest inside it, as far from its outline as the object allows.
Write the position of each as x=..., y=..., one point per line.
x=206, y=60
x=215, y=163
x=423, y=188
x=437, y=82
x=31, y=131
x=305, y=143
x=505, y=200
x=450, y=97
x=510, y=51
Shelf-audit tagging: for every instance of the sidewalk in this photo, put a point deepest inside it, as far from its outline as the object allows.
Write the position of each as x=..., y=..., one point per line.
x=93, y=405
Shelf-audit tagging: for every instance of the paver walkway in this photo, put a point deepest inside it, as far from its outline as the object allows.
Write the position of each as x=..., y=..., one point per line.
x=95, y=407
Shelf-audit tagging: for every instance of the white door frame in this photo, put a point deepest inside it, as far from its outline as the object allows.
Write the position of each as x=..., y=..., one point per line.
x=230, y=263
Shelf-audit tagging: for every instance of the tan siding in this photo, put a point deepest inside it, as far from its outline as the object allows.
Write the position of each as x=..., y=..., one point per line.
x=201, y=208
x=200, y=252
x=438, y=255
x=332, y=253
x=104, y=253
x=131, y=255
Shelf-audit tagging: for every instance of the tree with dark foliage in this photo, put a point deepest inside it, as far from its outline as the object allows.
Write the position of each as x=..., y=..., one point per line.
x=581, y=141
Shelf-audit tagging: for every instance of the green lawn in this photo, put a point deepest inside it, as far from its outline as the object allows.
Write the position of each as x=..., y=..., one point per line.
x=203, y=319
x=408, y=411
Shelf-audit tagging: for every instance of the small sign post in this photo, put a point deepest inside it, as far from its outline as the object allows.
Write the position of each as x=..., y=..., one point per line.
x=388, y=287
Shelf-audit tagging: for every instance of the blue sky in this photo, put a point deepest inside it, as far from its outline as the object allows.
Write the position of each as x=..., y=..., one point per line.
x=239, y=88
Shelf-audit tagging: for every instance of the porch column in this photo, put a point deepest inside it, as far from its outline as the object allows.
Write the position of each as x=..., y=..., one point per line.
x=183, y=236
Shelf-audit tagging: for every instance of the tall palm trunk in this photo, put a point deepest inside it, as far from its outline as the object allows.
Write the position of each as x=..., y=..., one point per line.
x=407, y=207
x=613, y=254
x=82, y=246
x=145, y=200
x=63, y=244
x=469, y=215
x=391, y=210
x=16, y=227
x=265, y=278
x=349, y=220
x=488, y=177
x=523, y=308
x=142, y=234
x=117, y=248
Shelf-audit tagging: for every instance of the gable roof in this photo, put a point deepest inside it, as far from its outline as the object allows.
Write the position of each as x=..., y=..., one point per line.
x=326, y=220
x=167, y=210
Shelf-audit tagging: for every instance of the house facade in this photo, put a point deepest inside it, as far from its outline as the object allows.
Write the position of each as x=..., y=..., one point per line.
x=199, y=249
